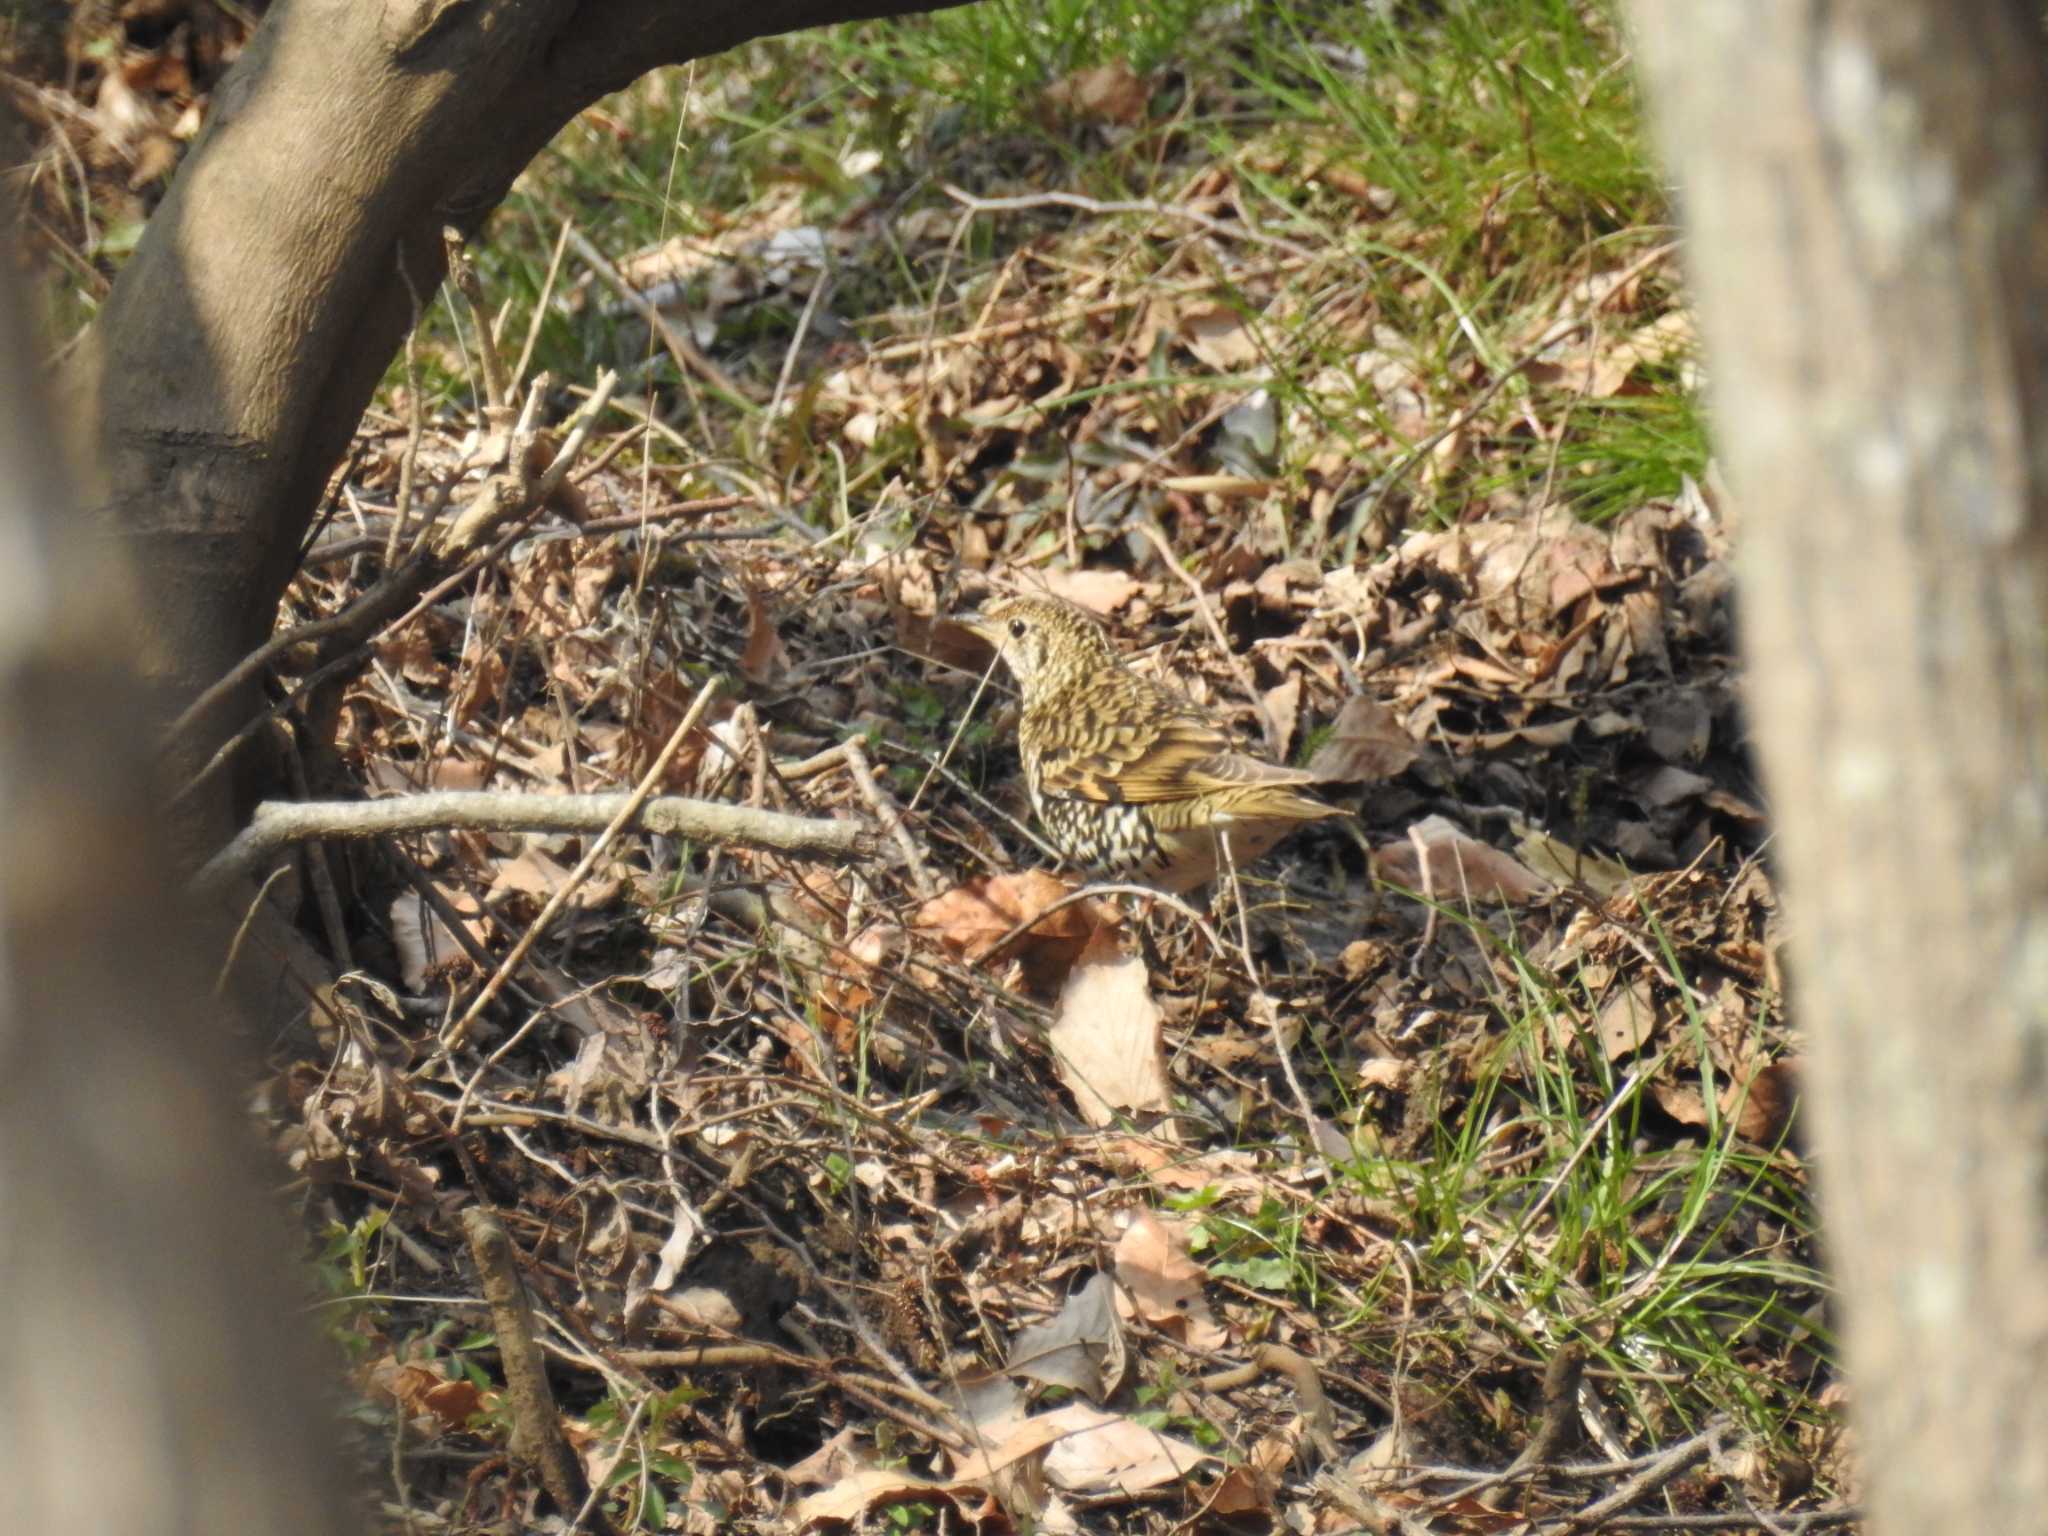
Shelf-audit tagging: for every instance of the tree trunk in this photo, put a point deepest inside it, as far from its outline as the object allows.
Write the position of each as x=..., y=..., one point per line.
x=155, y=1368
x=238, y=349
x=1863, y=187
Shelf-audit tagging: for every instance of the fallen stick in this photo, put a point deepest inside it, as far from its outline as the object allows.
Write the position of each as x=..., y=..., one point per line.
x=279, y=823
x=537, y=1438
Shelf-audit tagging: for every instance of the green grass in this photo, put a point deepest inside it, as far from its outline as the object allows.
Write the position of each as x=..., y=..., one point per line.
x=1460, y=170
x=1456, y=174
x=1556, y=1204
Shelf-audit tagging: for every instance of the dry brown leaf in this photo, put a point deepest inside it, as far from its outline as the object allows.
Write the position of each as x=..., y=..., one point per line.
x=424, y=944
x=1366, y=744
x=1224, y=1173
x=1081, y=1347
x=868, y=1488
x=1120, y=1456
x=763, y=659
x=609, y=1074
x=1107, y=93
x=1551, y=858
x=1669, y=336
x=1219, y=337
x=1106, y=1038
x=426, y=1394
x=1763, y=1107
x=1098, y=591
x=1283, y=708
x=1005, y=1444
x=1627, y=1020
x=972, y=919
x=834, y=1459
x=532, y=873
x=1162, y=1283
x=1460, y=867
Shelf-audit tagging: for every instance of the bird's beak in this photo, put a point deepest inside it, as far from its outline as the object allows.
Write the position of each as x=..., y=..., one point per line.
x=976, y=623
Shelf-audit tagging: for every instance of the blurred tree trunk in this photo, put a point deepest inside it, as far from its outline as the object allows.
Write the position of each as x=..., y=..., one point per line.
x=233, y=360
x=155, y=1368
x=1863, y=185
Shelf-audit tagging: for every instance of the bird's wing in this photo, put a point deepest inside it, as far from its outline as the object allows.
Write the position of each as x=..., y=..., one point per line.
x=1164, y=753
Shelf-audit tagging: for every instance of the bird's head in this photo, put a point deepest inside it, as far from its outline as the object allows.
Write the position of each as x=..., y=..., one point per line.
x=1044, y=642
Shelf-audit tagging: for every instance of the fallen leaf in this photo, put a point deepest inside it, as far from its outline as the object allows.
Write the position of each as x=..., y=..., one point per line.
x=1219, y=337
x=1106, y=93
x=531, y=872
x=424, y=944
x=1081, y=1347
x=1765, y=1107
x=424, y=1393
x=834, y=1459
x=1366, y=744
x=974, y=918
x=1162, y=1283
x=1550, y=858
x=1627, y=1019
x=1283, y=706
x=1105, y=1035
x=1121, y=1456
x=1460, y=868
x=684, y=1235
x=871, y=1488
x=1098, y=591
x=763, y=658
x=1002, y=1445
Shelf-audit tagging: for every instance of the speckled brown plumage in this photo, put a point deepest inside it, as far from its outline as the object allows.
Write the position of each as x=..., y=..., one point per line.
x=1130, y=781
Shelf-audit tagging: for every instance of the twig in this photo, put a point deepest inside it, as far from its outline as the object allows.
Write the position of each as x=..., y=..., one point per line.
x=1646, y=1482
x=278, y=823
x=462, y=276
x=459, y=1030
x=415, y=429
x=347, y=549
x=537, y=1437
x=1111, y=888
x=1554, y=1431
x=1262, y=1002
x=891, y=820
x=1279, y=1360
x=1200, y=220
x=680, y=347
x=1793, y=1522
x=796, y=342
x=540, y=307
x=225, y=752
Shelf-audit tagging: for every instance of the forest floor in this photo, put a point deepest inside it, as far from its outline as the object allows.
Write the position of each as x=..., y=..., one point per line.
x=1441, y=1174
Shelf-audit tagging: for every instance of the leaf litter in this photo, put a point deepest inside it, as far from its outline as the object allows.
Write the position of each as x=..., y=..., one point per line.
x=986, y=1190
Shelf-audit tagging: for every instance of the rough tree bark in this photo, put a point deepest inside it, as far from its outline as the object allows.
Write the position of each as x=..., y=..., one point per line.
x=1863, y=186
x=238, y=349
x=155, y=1369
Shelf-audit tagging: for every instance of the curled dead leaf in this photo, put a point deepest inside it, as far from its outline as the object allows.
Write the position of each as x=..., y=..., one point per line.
x=973, y=921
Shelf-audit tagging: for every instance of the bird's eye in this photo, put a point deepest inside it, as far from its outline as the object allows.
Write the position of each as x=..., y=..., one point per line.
x=1017, y=628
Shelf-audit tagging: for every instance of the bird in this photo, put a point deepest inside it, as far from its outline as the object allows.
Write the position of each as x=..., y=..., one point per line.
x=1131, y=781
